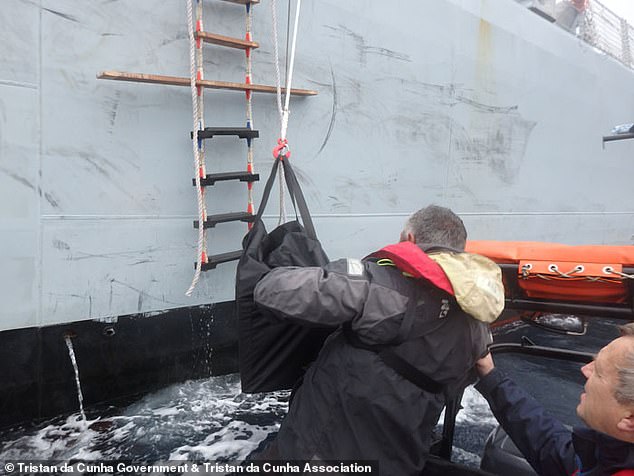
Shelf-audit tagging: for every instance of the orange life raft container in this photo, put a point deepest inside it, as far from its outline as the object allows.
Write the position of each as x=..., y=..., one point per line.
x=551, y=271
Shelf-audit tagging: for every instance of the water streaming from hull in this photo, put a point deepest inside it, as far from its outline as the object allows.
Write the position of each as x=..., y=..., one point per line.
x=80, y=396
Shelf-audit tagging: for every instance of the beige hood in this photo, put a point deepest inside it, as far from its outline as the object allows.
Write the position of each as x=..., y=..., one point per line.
x=476, y=281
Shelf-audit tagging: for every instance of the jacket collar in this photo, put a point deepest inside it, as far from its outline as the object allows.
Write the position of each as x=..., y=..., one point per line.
x=411, y=259
x=601, y=454
x=475, y=281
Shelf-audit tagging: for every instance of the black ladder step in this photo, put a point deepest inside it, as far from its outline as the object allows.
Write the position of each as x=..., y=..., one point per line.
x=241, y=132
x=213, y=220
x=211, y=179
x=215, y=260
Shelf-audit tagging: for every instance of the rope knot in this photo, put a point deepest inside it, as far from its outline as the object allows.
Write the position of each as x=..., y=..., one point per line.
x=281, y=150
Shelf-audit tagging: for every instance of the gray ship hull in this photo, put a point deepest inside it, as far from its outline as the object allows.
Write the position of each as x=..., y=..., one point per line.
x=477, y=105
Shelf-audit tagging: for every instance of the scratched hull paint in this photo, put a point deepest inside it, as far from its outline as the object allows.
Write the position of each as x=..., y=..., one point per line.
x=478, y=105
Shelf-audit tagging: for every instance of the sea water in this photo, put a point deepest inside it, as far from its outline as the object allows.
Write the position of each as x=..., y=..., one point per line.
x=198, y=420
x=211, y=420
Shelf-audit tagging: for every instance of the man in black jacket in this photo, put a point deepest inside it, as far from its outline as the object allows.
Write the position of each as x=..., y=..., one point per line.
x=606, y=407
x=428, y=311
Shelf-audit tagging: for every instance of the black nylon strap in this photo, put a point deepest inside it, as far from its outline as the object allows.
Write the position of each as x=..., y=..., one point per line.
x=354, y=341
x=408, y=319
x=395, y=362
x=409, y=372
x=295, y=192
x=267, y=190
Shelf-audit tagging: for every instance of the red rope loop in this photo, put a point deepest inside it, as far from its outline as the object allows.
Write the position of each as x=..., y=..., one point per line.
x=281, y=150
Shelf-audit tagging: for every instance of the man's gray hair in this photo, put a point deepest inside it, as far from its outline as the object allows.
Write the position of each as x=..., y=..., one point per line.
x=434, y=225
x=624, y=392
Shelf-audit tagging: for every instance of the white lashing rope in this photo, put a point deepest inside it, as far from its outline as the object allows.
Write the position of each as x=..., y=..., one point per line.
x=196, y=149
x=283, y=111
x=611, y=270
x=553, y=268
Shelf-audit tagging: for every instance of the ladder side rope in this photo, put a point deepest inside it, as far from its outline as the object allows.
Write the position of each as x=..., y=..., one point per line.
x=278, y=85
x=200, y=90
x=283, y=111
x=278, y=75
x=249, y=105
x=195, y=60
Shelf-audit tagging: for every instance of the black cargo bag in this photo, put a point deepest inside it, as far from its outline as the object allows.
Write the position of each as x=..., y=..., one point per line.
x=274, y=354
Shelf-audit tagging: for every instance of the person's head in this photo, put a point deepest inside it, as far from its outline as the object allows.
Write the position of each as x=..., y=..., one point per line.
x=434, y=225
x=607, y=404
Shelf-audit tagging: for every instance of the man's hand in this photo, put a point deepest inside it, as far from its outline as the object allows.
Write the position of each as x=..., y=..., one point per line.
x=484, y=365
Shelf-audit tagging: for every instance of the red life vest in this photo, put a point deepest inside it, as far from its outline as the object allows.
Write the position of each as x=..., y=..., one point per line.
x=623, y=472
x=410, y=259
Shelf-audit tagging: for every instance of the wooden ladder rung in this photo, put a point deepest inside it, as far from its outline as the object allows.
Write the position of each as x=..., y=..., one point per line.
x=205, y=83
x=242, y=2
x=228, y=41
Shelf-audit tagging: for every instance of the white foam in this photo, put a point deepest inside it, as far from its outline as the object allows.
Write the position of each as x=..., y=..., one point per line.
x=207, y=419
x=58, y=442
x=467, y=458
x=475, y=408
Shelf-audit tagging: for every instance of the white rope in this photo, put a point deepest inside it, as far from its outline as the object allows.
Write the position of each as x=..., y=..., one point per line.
x=284, y=111
x=289, y=80
x=553, y=268
x=249, y=107
x=248, y=64
x=278, y=83
x=611, y=270
x=196, y=150
x=278, y=75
